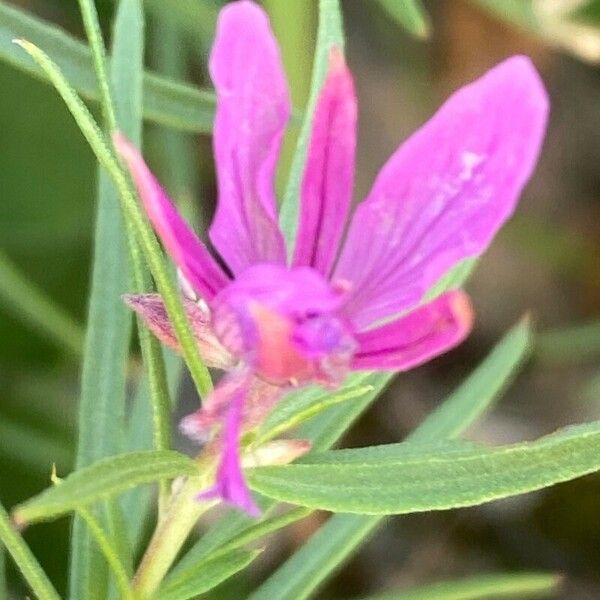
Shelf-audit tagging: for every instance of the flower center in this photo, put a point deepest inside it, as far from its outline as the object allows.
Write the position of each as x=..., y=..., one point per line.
x=286, y=323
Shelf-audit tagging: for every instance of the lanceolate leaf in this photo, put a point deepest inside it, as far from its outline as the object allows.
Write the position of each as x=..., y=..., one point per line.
x=518, y=586
x=137, y=503
x=165, y=102
x=476, y=393
x=410, y=14
x=24, y=559
x=343, y=533
x=437, y=480
x=104, y=479
x=32, y=306
x=205, y=575
x=329, y=34
x=102, y=404
x=299, y=406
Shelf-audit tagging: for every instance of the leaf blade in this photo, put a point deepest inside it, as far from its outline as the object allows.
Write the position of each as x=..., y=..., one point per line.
x=102, y=480
x=166, y=102
x=302, y=573
x=25, y=560
x=410, y=14
x=485, y=587
x=437, y=482
x=329, y=34
x=205, y=575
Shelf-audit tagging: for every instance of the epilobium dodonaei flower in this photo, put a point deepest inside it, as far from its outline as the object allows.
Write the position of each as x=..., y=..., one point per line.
x=334, y=307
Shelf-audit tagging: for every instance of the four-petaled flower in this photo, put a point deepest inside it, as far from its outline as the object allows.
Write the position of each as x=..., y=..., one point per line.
x=271, y=322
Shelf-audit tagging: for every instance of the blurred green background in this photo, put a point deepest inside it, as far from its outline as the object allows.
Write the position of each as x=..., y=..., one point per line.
x=546, y=261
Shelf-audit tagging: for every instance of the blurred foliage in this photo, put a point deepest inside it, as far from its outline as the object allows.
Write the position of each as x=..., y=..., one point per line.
x=46, y=222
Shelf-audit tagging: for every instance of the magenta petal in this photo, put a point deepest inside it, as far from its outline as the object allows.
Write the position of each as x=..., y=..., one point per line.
x=230, y=485
x=329, y=173
x=445, y=192
x=417, y=337
x=191, y=256
x=151, y=309
x=253, y=107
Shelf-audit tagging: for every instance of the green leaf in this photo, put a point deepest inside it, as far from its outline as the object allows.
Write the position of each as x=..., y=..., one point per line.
x=329, y=35
x=454, y=279
x=107, y=547
x=205, y=575
x=25, y=560
x=391, y=454
x=300, y=575
x=588, y=12
x=135, y=217
x=298, y=406
x=485, y=587
x=410, y=14
x=166, y=102
x=326, y=428
x=32, y=306
x=102, y=406
x=297, y=578
x=104, y=479
x=519, y=12
x=477, y=392
x=437, y=481
x=231, y=535
x=198, y=19
x=569, y=345
x=137, y=503
x=3, y=588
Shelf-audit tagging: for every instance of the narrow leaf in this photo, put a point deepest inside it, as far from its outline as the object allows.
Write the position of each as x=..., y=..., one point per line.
x=104, y=479
x=24, y=559
x=3, y=586
x=166, y=102
x=137, y=504
x=477, y=392
x=135, y=217
x=216, y=545
x=299, y=406
x=335, y=541
x=107, y=548
x=102, y=405
x=569, y=345
x=205, y=575
x=437, y=481
x=329, y=34
x=410, y=14
x=32, y=306
x=519, y=586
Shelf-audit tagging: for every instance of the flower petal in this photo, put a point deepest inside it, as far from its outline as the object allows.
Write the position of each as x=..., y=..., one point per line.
x=253, y=107
x=445, y=192
x=417, y=337
x=230, y=485
x=329, y=173
x=151, y=309
x=189, y=253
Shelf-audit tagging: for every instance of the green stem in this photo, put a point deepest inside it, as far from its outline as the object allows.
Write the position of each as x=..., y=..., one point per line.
x=170, y=535
x=94, y=35
x=25, y=560
x=31, y=305
x=106, y=546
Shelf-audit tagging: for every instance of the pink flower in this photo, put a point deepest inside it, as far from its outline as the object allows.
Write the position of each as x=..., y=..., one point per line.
x=334, y=307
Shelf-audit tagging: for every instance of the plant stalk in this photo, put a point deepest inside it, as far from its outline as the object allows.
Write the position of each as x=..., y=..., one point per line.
x=172, y=531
